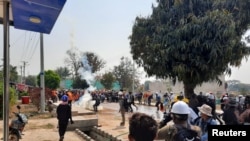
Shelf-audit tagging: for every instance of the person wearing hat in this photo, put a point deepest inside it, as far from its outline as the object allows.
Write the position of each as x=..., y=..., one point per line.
x=229, y=115
x=179, y=113
x=205, y=112
x=63, y=112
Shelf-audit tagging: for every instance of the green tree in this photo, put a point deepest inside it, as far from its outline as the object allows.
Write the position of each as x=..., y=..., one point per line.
x=51, y=79
x=13, y=74
x=63, y=72
x=79, y=83
x=192, y=41
x=107, y=80
x=12, y=96
x=125, y=74
x=94, y=61
x=31, y=80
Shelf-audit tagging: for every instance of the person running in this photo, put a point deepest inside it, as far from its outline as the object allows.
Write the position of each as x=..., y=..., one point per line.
x=132, y=101
x=158, y=102
x=63, y=115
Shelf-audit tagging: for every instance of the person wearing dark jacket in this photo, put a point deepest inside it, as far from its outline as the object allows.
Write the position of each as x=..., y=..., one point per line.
x=229, y=115
x=63, y=115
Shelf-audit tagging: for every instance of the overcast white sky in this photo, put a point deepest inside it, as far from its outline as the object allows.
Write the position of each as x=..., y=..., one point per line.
x=97, y=26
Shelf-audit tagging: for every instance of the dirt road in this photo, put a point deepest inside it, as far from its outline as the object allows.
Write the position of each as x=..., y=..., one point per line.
x=43, y=127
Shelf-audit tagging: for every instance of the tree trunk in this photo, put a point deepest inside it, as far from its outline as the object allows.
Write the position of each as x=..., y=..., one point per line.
x=188, y=89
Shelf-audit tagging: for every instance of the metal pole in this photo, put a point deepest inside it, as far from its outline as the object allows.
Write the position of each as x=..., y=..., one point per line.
x=42, y=75
x=6, y=69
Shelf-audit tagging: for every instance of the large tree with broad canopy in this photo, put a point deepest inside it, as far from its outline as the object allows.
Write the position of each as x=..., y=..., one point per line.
x=192, y=41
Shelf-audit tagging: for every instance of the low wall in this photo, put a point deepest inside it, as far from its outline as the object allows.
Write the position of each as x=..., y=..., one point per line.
x=82, y=123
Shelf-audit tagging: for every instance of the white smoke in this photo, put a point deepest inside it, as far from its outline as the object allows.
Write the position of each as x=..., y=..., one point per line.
x=85, y=101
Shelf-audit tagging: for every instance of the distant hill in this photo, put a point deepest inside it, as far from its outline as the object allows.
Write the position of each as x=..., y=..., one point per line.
x=237, y=86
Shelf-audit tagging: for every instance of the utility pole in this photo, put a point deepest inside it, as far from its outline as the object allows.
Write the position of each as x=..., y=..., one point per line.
x=6, y=68
x=21, y=69
x=42, y=83
x=24, y=65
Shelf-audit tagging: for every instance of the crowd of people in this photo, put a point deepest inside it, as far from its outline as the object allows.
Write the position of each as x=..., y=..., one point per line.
x=182, y=117
x=185, y=121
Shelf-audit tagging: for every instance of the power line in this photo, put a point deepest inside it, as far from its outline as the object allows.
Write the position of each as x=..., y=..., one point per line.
x=34, y=49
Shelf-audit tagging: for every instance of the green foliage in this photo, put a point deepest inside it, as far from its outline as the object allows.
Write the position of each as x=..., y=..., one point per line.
x=23, y=94
x=79, y=83
x=107, y=80
x=13, y=74
x=191, y=41
x=30, y=80
x=63, y=72
x=51, y=79
x=125, y=74
x=12, y=98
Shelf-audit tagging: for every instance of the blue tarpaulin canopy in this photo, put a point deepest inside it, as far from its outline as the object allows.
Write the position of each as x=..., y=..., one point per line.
x=36, y=15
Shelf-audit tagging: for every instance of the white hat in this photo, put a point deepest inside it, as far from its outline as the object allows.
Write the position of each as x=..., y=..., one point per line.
x=225, y=98
x=120, y=93
x=180, y=107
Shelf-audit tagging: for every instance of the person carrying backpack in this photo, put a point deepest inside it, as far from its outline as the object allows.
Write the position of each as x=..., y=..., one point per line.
x=179, y=129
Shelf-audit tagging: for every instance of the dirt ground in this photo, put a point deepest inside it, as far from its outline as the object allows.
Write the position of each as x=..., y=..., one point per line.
x=43, y=127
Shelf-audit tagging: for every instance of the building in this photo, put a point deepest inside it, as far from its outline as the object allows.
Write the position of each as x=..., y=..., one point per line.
x=167, y=86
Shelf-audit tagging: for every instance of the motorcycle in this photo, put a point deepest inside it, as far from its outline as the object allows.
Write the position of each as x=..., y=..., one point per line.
x=17, y=125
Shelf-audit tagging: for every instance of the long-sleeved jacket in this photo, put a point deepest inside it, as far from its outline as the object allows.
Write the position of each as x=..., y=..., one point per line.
x=63, y=112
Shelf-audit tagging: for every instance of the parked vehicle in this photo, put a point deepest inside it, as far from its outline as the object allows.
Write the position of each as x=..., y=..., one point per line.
x=17, y=125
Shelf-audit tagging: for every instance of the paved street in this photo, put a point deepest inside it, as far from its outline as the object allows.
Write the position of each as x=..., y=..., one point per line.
x=150, y=110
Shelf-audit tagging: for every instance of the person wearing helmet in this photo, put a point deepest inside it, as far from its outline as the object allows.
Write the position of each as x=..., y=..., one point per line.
x=63, y=115
x=180, y=113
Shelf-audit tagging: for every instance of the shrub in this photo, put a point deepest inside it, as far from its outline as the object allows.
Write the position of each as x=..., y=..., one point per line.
x=12, y=98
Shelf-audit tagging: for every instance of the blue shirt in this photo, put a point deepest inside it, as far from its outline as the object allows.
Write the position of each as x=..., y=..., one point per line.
x=203, y=125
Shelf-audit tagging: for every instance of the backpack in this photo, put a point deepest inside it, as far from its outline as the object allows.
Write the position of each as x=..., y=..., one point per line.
x=125, y=103
x=186, y=134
